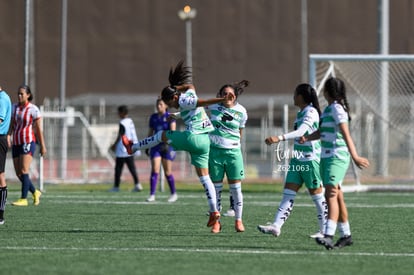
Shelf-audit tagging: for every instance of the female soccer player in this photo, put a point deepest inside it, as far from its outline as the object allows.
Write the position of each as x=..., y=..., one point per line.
x=162, y=153
x=337, y=146
x=181, y=95
x=25, y=127
x=229, y=119
x=304, y=166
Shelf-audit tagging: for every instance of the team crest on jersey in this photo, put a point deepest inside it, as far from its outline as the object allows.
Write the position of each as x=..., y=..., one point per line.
x=236, y=116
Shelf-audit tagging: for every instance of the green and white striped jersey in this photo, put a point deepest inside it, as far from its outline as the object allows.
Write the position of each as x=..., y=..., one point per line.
x=227, y=123
x=310, y=150
x=333, y=143
x=195, y=118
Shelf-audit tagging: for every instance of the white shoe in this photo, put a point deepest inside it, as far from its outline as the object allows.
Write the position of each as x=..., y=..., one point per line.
x=173, y=198
x=317, y=235
x=138, y=188
x=269, y=229
x=151, y=198
x=230, y=213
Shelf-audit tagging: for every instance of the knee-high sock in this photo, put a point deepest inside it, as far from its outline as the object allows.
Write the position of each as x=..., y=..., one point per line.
x=153, y=183
x=219, y=188
x=344, y=229
x=3, y=199
x=32, y=188
x=237, y=195
x=148, y=142
x=285, y=207
x=330, y=227
x=231, y=202
x=321, y=209
x=171, y=183
x=210, y=192
x=26, y=186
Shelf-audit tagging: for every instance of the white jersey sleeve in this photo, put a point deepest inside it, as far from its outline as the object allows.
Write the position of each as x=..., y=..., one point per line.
x=339, y=114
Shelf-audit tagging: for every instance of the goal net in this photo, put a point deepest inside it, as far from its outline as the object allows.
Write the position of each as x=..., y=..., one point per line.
x=380, y=89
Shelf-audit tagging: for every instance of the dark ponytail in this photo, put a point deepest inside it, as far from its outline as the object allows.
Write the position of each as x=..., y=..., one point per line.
x=237, y=87
x=179, y=75
x=308, y=94
x=336, y=90
x=28, y=91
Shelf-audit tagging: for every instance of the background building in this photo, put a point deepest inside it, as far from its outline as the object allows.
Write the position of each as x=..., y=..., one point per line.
x=126, y=47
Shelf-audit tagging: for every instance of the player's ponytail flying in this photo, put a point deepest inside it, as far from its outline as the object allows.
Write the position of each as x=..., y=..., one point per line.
x=237, y=87
x=178, y=76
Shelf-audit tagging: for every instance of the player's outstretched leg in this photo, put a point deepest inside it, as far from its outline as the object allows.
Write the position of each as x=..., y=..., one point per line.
x=145, y=143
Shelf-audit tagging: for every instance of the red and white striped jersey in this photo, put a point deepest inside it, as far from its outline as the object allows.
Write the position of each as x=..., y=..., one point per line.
x=23, y=119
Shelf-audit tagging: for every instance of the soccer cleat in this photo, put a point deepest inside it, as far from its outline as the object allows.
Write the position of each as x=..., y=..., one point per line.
x=214, y=217
x=138, y=188
x=344, y=241
x=1, y=221
x=114, y=189
x=173, y=198
x=216, y=228
x=151, y=198
x=317, y=235
x=20, y=202
x=326, y=241
x=269, y=229
x=230, y=213
x=127, y=143
x=238, y=225
x=36, y=197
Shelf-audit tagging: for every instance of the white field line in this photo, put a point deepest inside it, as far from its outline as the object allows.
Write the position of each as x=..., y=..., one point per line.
x=276, y=196
x=265, y=200
x=217, y=250
x=72, y=200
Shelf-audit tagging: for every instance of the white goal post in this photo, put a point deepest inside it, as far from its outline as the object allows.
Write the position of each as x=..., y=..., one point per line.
x=101, y=136
x=380, y=89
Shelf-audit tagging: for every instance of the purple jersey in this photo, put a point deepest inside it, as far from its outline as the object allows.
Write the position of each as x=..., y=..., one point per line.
x=161, y=123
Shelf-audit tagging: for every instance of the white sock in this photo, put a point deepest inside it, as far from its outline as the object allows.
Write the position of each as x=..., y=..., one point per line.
x=344, y=229
x=285, y=207
x=330, y=227
x=210, y=192
x=148, y=142
x=219, y=188
x=321, y=209
x=236, y=193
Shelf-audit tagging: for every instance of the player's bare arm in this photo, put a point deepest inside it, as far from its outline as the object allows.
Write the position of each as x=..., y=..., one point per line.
x=359, y=161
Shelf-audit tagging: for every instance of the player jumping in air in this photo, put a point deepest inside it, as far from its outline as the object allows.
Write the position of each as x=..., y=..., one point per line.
x=181, y=94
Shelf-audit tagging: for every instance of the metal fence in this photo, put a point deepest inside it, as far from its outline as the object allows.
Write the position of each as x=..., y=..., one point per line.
x=79, y=138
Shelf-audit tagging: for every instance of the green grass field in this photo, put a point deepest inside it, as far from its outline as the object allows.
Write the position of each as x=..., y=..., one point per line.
x=83, y=229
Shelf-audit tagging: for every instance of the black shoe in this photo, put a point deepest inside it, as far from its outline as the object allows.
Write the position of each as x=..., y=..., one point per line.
x=326, y=241
x=344, y=241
